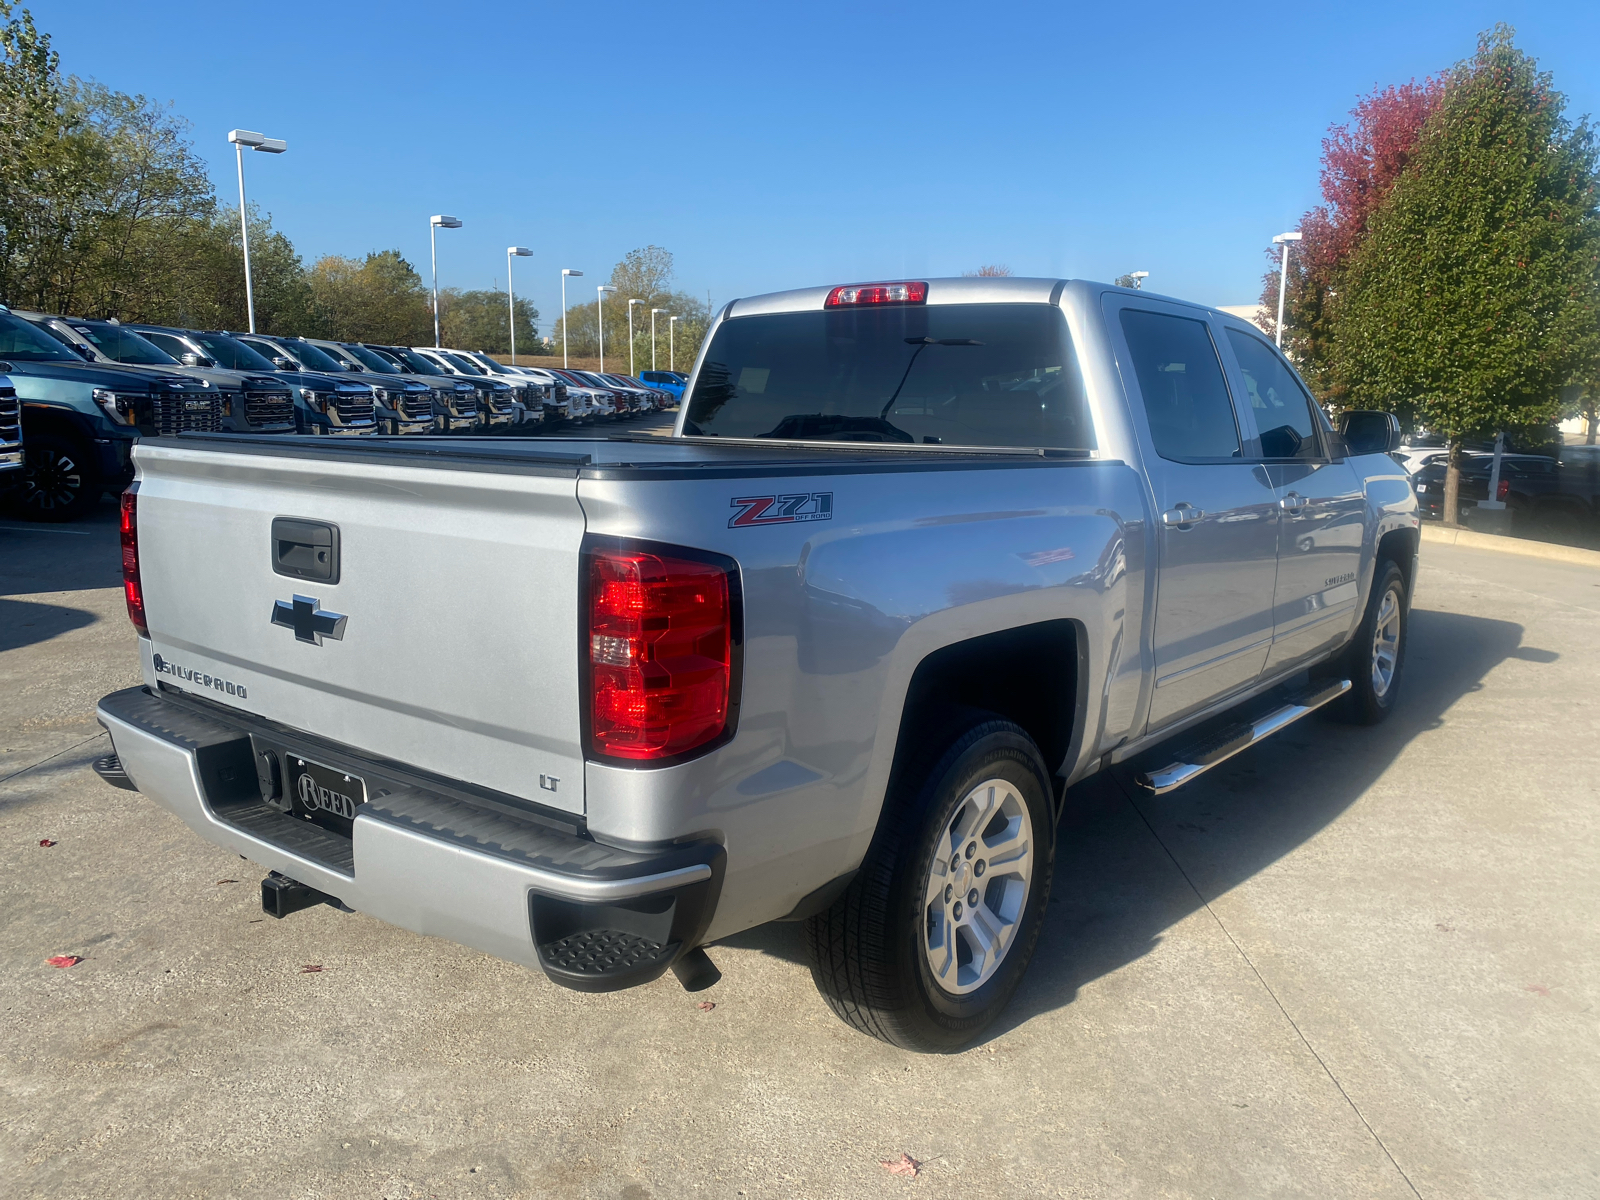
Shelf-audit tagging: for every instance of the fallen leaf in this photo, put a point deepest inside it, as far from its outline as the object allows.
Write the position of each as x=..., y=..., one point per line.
x=707, y=1005
x=46, y=843
x=904, y=1165
x=311, y=969
x=1537, y=988
x=65, y=960
x=220, y=882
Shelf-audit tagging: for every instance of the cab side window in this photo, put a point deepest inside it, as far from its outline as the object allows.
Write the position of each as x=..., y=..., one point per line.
x=1180, y=377
x=1282, y=408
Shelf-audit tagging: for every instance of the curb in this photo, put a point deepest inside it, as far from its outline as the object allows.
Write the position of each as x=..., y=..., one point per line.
x=1468, y=539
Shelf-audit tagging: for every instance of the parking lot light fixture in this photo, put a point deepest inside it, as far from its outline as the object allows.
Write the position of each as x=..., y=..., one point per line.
x=1283, y=239
x=256, y=141
x=436, y=223
x=600, y=319
x=1138, y=278
x=672, y=349
x=565, y=271
x=511, y=294
x=631, y=303
x=653, y=313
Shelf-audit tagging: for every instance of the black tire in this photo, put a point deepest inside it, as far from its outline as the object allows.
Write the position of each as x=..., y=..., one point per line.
x=1367, y=703
x=60, y=481
x=867, y=951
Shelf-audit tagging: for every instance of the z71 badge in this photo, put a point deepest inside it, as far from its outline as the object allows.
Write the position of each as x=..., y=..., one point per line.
x=781, y=510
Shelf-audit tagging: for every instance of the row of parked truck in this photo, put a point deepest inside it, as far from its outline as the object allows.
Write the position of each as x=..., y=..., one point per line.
x=76, y=394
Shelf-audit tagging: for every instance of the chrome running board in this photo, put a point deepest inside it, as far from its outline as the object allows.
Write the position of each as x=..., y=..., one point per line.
x=1201, y=757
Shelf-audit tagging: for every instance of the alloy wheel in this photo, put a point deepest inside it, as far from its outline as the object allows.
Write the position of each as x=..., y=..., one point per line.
x=977, y=887
x=53, y=481
x=1385, y=643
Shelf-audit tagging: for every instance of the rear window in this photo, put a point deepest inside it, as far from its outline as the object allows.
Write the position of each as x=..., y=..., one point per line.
x=948, y=374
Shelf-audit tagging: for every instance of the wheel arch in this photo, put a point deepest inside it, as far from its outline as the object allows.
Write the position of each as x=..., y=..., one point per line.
x=1030, y=674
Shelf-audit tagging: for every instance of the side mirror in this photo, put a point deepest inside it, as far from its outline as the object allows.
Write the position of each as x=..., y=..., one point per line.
x=191, y=359
x=282, y=363
x=1367, y=431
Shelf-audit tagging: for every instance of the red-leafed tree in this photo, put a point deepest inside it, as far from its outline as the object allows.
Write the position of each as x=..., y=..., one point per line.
x=1361, y=161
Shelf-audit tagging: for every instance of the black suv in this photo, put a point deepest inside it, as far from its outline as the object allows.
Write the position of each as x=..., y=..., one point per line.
x=80, y=419
x=247, y=403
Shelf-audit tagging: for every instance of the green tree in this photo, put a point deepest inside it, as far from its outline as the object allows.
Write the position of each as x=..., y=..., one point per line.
x=1476, y=294
x=1361, y=161
x=644, y=275
x=478, y=320
x=377, y=299
x=104, y=208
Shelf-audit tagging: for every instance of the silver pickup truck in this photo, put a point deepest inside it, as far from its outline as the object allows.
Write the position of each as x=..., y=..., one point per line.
x=920, y=556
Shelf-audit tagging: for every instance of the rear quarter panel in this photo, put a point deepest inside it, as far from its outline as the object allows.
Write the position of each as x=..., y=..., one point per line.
x=838, y=613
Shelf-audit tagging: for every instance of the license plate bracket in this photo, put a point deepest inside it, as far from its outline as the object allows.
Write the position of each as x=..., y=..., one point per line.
x=324, y=795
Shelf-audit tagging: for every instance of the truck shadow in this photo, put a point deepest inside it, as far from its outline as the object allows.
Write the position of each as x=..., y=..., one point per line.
x=1118, y=885
x=72, y=556
x=23, y=622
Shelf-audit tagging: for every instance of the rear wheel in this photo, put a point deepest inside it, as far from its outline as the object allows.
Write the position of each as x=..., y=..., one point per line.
x=930, y=941
x=60, y=481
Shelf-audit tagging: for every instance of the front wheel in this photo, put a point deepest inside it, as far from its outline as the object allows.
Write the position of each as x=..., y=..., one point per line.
x=1376, y=655
x=60, y=481
x=930, y=941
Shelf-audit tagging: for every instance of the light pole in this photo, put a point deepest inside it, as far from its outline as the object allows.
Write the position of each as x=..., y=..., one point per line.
x=1138, y=278
x=511, y=294
x=240, y=139
x=436, y=223
x=600, y=319
x=653, y=313
x=631, y=303
x=1283, y=239
x=565, y=271
x=672, y=346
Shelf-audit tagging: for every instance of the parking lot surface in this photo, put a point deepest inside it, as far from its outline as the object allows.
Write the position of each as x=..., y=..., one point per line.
x=1348, y=963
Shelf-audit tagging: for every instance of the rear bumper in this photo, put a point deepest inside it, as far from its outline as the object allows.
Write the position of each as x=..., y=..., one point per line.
x=422, y=858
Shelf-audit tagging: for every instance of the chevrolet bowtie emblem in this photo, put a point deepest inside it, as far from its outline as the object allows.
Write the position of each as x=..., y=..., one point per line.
x=310, y=622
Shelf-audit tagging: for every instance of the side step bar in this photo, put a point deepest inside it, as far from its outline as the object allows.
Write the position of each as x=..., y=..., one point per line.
x=1200, y=758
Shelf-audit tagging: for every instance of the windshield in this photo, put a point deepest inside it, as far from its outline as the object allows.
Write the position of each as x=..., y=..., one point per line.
x=415, y=362
x=340, y=355
x=313, y=358
x=488, y=364
x=24, y=343
x=951, y=374
x=460, y=361
x=370, y=360
x=231, y=353
x=122, y=345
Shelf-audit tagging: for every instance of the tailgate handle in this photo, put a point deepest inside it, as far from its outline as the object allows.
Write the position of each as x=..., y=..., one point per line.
x=305, y=549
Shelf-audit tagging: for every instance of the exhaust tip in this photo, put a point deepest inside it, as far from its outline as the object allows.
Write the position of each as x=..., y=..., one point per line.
x=696, y=971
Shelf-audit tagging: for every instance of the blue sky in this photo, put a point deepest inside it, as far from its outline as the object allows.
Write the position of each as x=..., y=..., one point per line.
x=772, y=146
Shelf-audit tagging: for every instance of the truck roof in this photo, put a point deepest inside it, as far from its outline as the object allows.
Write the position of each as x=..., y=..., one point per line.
x=965, y=289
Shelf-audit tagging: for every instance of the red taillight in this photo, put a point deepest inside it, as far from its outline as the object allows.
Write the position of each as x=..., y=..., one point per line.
x=877, y=293
x=660, y=643
x=132, y=590
x=1504, y=490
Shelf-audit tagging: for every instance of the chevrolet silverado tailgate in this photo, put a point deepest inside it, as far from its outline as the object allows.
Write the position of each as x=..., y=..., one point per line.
x=456, y=578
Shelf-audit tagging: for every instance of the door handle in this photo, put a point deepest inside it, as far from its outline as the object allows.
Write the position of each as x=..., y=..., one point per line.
x=1293, y=502
x=1181, y=517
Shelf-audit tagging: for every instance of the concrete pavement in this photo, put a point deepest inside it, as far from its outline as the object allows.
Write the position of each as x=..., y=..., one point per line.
x=1347, y=963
